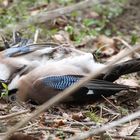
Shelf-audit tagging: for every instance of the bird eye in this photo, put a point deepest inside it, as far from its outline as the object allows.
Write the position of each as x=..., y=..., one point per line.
x=12, y=98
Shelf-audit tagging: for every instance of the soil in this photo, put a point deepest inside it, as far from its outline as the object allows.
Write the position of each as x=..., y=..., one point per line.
x=129, y=22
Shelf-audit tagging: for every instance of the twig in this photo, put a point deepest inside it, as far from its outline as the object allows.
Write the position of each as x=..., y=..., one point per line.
x=36, y=36
x=125, y=137
x=9, y=116
x=126, y=44
x=27, y=127
x=21, y=129
x=109, y=111
x=110, y=102
x=72, y=124
x=106, y=127
x=114, y=117
x=58, y=129
x=65, y=93
x=49, y=15
x=101, y=112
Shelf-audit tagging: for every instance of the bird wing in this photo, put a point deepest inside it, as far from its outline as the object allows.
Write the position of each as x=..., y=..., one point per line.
x=64, y=81
x=47, y=87
x=24, y=49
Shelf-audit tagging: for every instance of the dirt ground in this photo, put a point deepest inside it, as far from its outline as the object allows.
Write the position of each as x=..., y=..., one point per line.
x=129, y=22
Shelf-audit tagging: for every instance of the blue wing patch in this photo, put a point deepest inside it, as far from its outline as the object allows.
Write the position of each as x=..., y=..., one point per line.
x=21, y=48
x=12, y=51
x=60, y=82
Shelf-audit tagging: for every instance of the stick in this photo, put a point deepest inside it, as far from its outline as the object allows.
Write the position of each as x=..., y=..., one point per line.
x=13, y=114
x=126, y=44
x=49, y=15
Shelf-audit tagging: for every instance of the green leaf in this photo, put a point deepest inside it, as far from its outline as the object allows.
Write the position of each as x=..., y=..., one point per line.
x=5, y=90
x=69, y=29
x=134, y=39
x=4, y=94
x=5, y=86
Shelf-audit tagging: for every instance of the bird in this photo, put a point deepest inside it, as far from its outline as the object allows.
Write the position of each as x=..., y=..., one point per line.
x=39, y=73
x=43, y=83
x=46, y=81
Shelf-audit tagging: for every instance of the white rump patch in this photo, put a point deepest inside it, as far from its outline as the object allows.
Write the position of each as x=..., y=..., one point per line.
x=90, y=92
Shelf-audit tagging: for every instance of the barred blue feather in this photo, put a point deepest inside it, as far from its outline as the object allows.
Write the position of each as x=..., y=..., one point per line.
x=60, y=82
x=21, y=48
x=11, y=51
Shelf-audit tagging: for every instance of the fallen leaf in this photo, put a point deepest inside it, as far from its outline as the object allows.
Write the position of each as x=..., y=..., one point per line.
x=20, y=136
x=130, y=82
x=62, y=37
x=60, y=22
x=77, y=116
x=106, y=45
x=3, y=106
x=129, y=128
x=105, y=41
x=91, y=14
x=65, y=115
x=59, y=122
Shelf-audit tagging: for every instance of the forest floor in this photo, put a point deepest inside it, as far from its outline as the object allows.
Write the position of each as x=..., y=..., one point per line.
x=88, y=30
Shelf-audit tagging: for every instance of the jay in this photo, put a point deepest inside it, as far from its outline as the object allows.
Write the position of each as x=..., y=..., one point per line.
x=46, y=81
x=40, y=73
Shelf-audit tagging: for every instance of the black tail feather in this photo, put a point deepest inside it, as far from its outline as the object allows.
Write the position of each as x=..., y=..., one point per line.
x=118, y=70
x=97, y=88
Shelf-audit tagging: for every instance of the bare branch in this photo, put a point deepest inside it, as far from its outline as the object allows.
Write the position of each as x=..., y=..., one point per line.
x=49, y=15
x=126, y=44
x=13, y=114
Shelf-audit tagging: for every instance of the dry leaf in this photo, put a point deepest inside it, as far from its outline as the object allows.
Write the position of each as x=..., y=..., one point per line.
x=91, y=14
x=59, y=122
x=105, y=41
x=60, y=22
x=129, y=128
x=3, y=106
x=106, y=45
x=20, y=136
x=130, y=82
x=65, y=115
x=62, y=38
x=77, y=116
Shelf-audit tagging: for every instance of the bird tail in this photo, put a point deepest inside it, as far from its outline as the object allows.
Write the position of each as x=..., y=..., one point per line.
x=118, y=70
x=94, y=90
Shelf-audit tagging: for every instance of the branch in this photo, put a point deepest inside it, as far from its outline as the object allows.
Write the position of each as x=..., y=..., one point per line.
x=49, y=15
x=13, y=114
